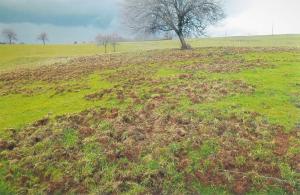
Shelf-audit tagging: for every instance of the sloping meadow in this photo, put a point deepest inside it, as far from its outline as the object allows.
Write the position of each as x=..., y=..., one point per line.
x=210, y=120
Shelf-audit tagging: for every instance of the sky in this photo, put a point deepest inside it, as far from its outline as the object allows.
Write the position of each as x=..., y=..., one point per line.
x=67, y=21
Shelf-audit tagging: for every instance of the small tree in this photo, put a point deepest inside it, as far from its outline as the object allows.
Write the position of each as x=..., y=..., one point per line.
x=43, y=37
x=103, y=40
x=115, y=38
x=108, y=39
x=10, y=35
x=184, y=17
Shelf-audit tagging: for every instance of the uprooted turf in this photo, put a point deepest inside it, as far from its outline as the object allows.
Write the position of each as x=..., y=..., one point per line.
x=213, y=120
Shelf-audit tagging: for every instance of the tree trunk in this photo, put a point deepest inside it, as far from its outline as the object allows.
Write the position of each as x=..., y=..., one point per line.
x=44, y=42
x=184, y=45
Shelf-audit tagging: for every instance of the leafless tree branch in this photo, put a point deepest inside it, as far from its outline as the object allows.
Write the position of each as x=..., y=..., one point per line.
x=184, y=17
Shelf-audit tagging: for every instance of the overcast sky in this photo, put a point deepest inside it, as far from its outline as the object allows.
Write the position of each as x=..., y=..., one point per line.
x=67, y=21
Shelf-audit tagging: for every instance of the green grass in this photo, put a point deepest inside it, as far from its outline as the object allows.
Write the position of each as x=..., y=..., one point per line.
x=70, y=138
x=29, y=56
x=275, y=98
x=27, y=109
x=274, y=89
x=272, y=98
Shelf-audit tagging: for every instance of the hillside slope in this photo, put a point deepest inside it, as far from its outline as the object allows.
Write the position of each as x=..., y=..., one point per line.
x=209, y=120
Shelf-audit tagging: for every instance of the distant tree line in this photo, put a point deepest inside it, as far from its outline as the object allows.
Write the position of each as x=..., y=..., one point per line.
x=11, y=36
x=101, y=39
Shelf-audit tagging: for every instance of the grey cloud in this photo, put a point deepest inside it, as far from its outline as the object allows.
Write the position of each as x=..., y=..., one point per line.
x=57, y=12
x=81, y=20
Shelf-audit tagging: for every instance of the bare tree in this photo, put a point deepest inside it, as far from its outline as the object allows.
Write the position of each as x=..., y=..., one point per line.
x=43, y=37
x=109, y=39
x=103, y=40
x=184, y=17
x=115, y=38
x=10, y=35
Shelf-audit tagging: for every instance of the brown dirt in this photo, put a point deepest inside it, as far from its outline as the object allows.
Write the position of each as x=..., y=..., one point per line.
x=241, y=186
x=282, y=143
x=41, y=122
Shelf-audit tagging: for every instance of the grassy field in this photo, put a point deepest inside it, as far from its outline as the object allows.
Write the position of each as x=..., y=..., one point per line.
x=28, y=56
x=220, y=119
